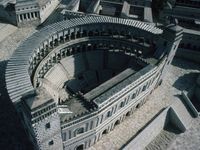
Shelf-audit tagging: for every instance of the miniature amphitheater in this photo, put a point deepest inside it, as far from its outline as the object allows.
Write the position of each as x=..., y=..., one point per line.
x=73, y=81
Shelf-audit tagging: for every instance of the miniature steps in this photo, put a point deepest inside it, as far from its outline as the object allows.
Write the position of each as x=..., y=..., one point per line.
x=162, y=141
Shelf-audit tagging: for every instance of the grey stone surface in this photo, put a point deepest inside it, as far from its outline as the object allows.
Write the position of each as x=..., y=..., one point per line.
x=180, y=77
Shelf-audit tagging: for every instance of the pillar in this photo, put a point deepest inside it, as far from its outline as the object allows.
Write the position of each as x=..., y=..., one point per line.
x=63, y=36
x=75, y=33
x=69, y=35
x=18, y=18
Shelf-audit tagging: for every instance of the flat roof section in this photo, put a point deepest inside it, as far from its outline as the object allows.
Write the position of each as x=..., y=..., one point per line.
x=39, y=100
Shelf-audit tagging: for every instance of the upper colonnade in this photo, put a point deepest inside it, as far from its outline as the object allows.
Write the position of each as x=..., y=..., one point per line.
x=27, y=56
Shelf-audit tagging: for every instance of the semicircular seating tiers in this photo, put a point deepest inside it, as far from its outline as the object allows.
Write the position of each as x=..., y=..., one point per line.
x=18, y=78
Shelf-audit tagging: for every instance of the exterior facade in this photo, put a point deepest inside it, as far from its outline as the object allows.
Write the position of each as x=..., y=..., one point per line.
x=44, y=74
x=23, y=13
x=34, y=12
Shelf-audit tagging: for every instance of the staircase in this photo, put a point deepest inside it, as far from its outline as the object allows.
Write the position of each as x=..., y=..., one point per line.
x=162, y=141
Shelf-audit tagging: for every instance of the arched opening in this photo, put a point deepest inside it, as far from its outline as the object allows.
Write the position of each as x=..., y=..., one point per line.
x=96, y=33
x=56, y=42
x=73, y=50
x=67, y=37
x=138, y=105
x=79, y=131
x=128, y=113
x=63, y=54
x=72, y=35
x=61, y=39
x=78, y=34
x=68, y=52
x=117, y=123
x=51, y=44
x=105, y=132
x=80, y=147
x=84, y=33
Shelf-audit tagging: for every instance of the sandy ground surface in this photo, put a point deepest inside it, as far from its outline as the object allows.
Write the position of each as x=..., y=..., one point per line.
x=190, y=140
x=9, y=44
x=180, y=77
x=6, y=30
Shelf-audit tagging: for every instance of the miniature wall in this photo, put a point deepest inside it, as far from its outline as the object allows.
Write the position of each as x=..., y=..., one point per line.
x=154, y=127
x=149, y=132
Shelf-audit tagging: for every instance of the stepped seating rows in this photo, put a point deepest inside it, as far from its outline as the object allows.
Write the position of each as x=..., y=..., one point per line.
x=56, y=76
x=87, y=82
x=74, y=64
x=21, y=56
x=84, y=71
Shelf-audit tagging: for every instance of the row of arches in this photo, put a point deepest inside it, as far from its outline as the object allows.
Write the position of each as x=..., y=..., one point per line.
x=84, y=31
x=189, y=46
x=121, y=119
x=111, y=126
x=84, y=46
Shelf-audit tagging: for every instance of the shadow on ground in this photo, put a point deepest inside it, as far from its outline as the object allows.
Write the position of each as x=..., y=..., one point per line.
x=185, y=64
x=186, y=81
x=12, y=134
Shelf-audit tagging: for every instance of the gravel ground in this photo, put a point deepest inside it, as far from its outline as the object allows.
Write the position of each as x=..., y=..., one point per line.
x=6, y=30
x=181, y=76
x=190, y=140
x=162, y=141
x=9, y=44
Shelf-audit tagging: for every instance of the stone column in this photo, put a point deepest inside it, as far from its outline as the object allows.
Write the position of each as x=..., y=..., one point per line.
x=30, y=17
x=63, y=36
x=81, y=32
x=69, y=34
x=22, y=17
x=34, y=14
x=27, y=16
x=75, y=33
x=52, y=42
x=18, y=17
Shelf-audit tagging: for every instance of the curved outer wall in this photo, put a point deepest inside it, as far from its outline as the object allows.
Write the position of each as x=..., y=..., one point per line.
x=27, y=57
